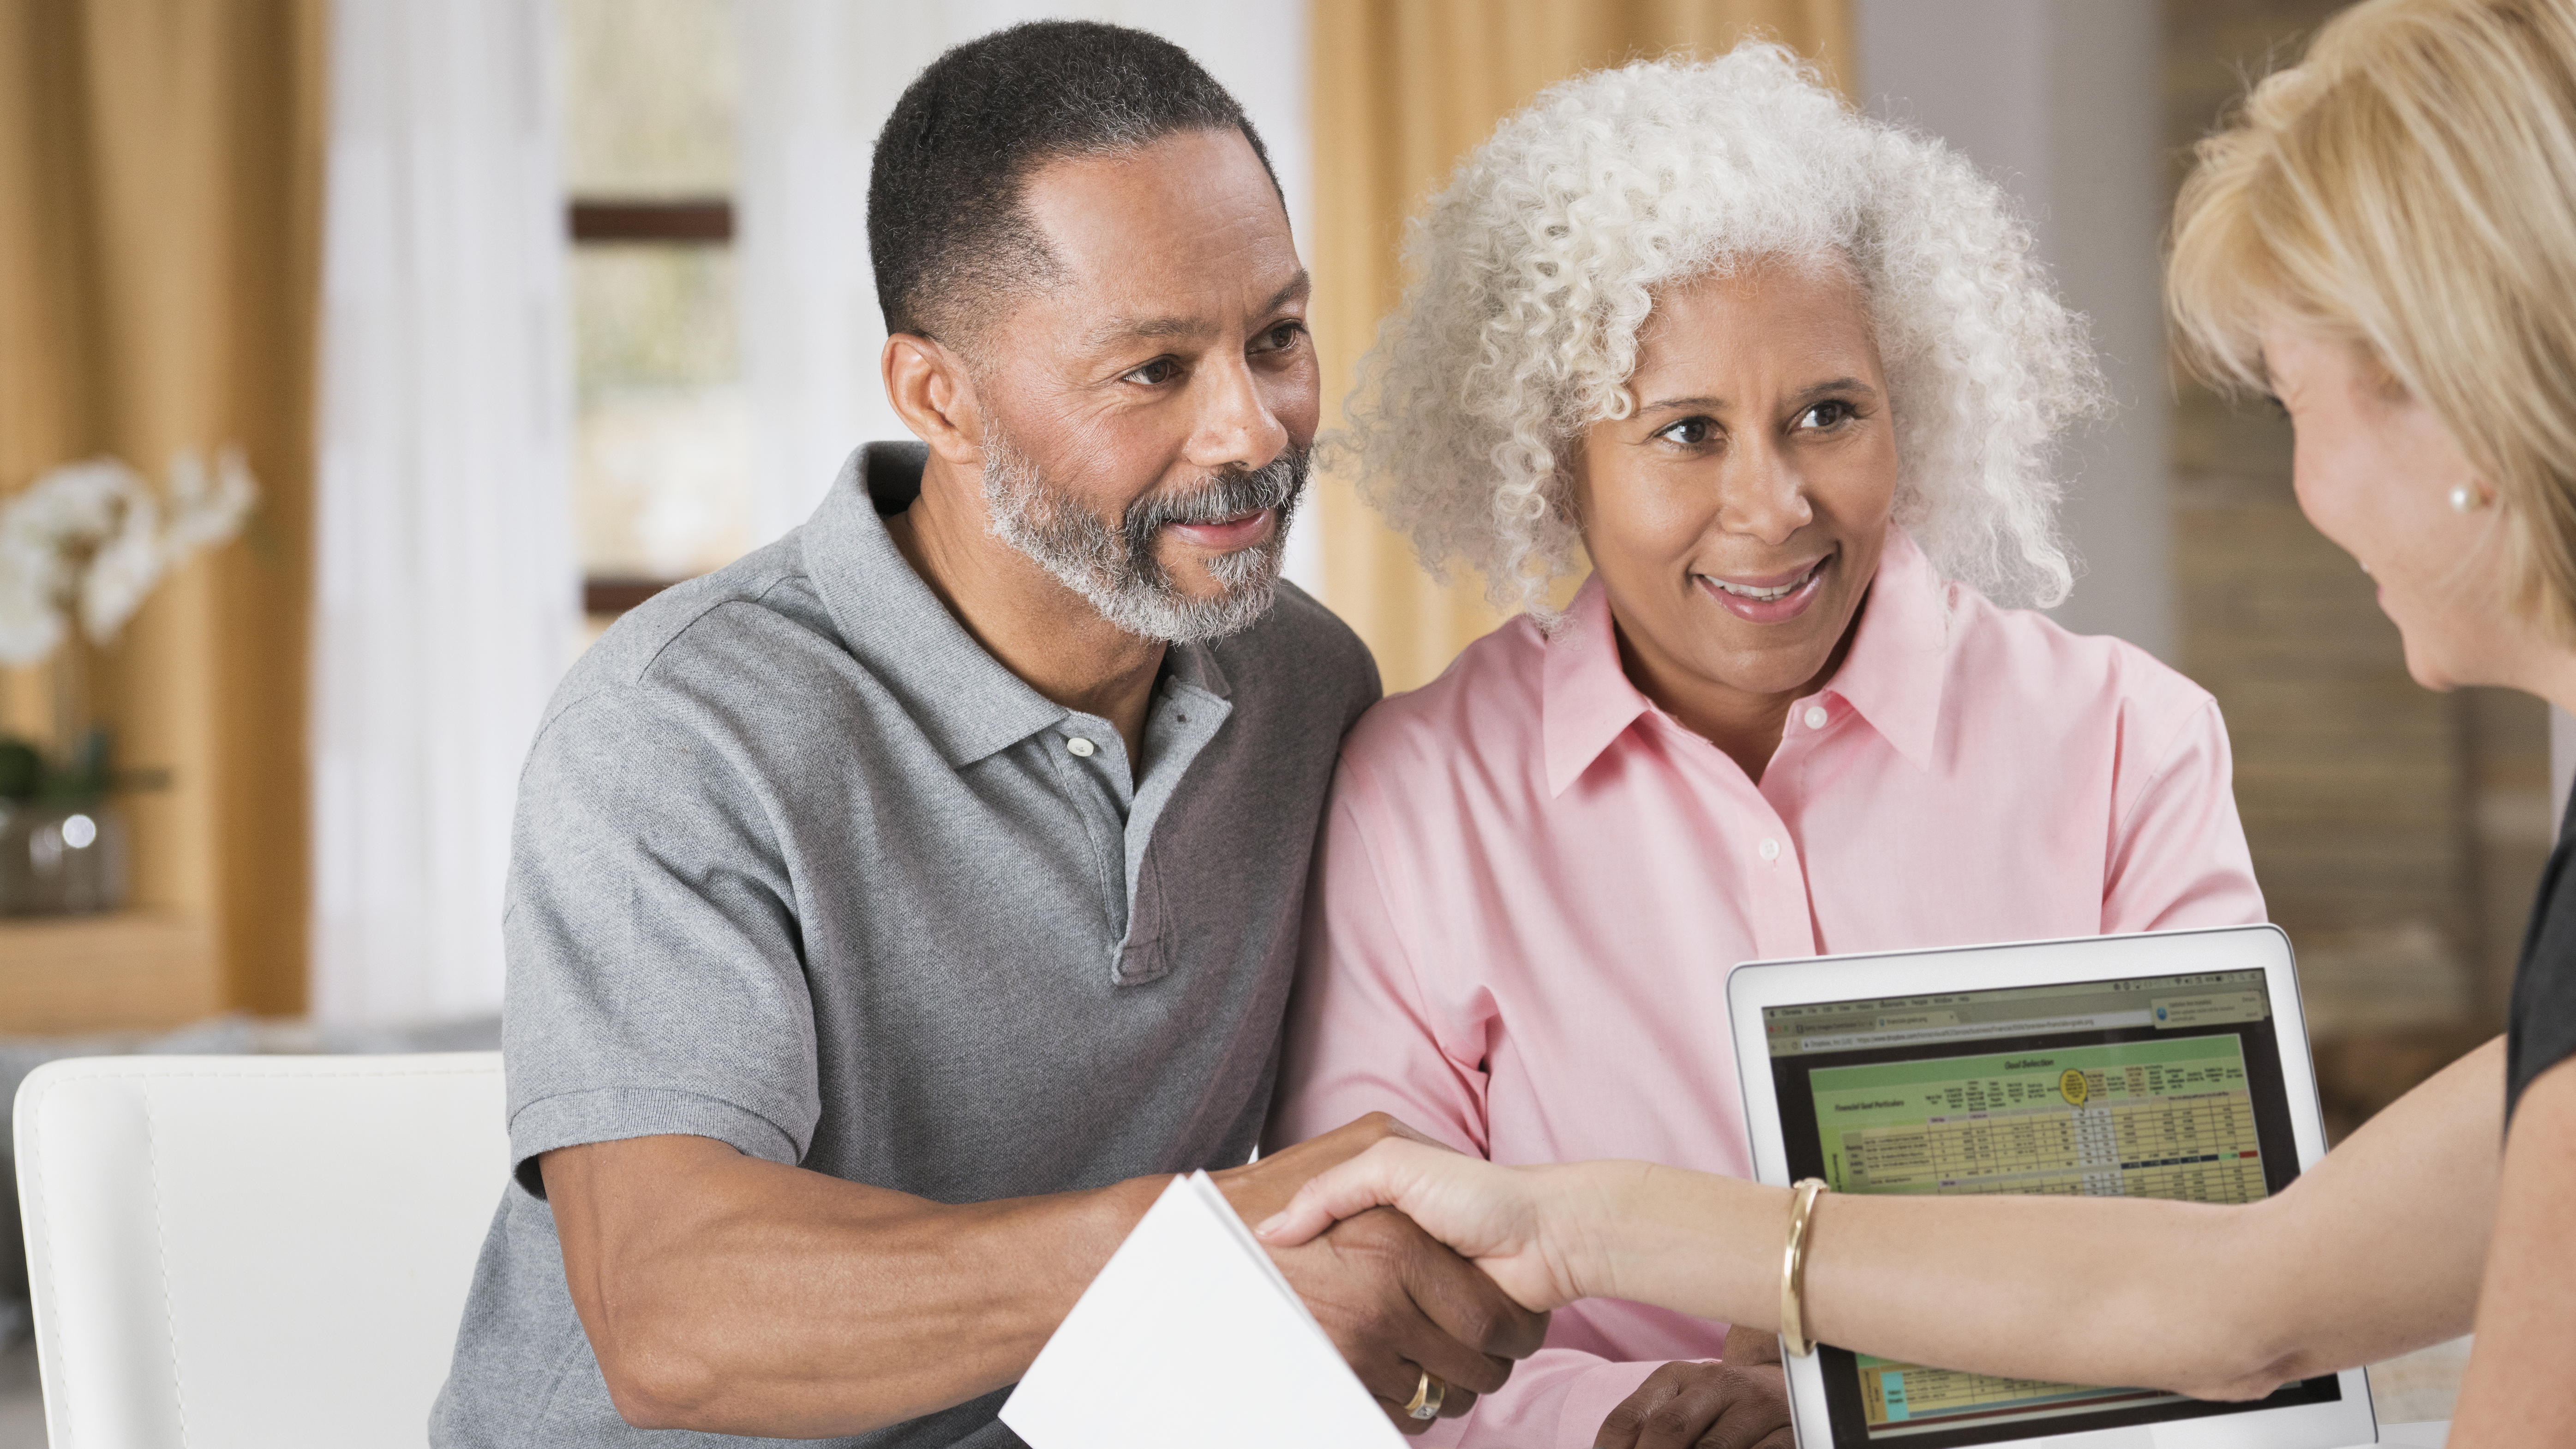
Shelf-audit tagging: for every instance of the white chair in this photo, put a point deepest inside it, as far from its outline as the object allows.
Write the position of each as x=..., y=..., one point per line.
x=253, y=1251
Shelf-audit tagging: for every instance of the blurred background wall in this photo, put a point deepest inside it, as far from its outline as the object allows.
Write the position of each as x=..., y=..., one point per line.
x=160, y=194
x=2399, y=834
x=2064, y=105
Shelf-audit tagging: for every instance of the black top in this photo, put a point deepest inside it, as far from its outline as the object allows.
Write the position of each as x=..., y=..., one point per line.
x=2541, y=1033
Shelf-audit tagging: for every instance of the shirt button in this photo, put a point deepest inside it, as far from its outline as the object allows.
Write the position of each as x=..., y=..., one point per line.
x=1816, y=716
x=1769, y=849
x=1080, y=747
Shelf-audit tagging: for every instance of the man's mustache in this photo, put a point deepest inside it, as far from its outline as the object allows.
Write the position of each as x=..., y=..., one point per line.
x=1227, y=493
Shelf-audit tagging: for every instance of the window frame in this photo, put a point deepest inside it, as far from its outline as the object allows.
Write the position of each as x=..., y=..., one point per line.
x=674, y=221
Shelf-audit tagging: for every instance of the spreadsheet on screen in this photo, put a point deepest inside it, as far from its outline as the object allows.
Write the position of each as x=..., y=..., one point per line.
x=2163, y=1087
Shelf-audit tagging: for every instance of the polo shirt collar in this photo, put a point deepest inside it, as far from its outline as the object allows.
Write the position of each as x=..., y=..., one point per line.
x=965, y=700
x=1892, y=677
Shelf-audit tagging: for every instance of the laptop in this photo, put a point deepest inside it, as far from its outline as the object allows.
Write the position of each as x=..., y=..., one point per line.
x=2172, y=1064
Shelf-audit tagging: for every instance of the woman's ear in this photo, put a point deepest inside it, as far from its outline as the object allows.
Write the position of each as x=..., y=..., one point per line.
x=934, y=394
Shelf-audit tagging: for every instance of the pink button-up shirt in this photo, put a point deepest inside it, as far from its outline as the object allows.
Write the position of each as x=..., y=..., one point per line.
x=1533, y=882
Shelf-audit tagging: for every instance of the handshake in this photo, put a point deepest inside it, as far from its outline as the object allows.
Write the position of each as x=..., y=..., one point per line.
x=1427, y=1331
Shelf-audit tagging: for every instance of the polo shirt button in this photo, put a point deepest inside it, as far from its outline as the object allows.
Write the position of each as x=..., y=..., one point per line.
x=1080, y=747
x=1816, y=716
x=1769, y=848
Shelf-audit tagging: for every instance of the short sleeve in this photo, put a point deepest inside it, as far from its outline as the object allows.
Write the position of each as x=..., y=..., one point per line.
x=656, y=983
x=2542, y=1030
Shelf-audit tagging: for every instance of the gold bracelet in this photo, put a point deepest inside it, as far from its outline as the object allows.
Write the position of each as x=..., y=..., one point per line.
x=1793, y=1269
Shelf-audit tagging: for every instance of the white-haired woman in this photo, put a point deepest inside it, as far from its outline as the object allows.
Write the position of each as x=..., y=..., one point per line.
x=2387, y=242
x=1786, y=377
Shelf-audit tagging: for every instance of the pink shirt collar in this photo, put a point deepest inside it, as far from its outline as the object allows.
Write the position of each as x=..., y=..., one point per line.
x=1892, y=677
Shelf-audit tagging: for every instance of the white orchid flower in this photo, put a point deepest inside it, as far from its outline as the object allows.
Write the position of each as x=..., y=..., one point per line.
x=205, y=511
x=122, y=569
x=31, y=621
x=90, y=539
x=78, y=504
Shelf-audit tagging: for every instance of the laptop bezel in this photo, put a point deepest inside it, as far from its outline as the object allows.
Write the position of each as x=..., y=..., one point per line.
x=1811, y=980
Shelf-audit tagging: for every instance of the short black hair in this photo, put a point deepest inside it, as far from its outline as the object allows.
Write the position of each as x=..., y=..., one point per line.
x=946, y=230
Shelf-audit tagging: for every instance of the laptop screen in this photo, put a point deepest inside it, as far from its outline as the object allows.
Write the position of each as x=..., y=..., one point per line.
x=2165, y=1086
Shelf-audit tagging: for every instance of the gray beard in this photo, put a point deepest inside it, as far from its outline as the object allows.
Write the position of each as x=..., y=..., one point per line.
x=1113, y=566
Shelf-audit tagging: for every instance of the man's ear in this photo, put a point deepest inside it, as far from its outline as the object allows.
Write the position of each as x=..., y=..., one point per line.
x=934, y=394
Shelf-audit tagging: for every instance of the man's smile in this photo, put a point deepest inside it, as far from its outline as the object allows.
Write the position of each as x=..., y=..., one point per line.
x=1228, y=535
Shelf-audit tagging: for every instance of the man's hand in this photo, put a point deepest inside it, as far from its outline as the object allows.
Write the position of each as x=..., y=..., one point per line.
x=1741, y=1403
x=1262, y=1188
x=1526, y=1227
x=1394, y=1300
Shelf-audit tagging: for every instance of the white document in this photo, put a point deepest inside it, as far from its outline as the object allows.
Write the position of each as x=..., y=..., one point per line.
x=1190, y=1337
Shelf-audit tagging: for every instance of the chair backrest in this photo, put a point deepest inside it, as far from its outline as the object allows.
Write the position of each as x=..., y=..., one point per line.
x=266, y=1251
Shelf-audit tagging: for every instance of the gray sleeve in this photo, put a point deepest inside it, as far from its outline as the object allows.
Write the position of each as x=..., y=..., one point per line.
x=656, y=982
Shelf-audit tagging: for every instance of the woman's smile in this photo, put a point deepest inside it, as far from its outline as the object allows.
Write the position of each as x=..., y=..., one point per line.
x=1773, y=598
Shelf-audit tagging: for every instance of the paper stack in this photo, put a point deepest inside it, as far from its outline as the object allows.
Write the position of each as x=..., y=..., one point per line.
x=1190, y=1337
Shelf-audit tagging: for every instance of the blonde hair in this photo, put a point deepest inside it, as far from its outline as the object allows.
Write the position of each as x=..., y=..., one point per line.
x=1541, y=259
x=2410, y=187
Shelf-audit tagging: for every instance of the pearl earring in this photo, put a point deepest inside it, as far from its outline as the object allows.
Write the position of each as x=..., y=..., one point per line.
x=2465, y=499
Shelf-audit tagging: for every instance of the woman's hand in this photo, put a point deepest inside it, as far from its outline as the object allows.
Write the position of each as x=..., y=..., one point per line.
x=1519, y=1224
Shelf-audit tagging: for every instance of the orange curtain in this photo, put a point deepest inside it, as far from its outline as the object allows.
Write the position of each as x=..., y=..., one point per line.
x=160, y=179
x=1402, y=90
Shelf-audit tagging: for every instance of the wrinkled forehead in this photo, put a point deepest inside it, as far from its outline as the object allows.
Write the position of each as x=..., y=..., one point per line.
x=1184, y=238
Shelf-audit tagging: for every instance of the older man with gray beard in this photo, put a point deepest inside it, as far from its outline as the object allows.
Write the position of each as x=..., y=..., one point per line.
x=892, y=911
x=1116, y=569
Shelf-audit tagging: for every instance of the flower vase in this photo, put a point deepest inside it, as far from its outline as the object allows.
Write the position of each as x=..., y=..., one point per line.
x=59, y=858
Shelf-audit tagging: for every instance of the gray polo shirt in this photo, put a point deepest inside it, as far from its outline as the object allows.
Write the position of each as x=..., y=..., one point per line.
x=800, y=867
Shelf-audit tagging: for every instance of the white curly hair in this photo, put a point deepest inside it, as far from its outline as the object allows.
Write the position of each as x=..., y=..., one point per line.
x=1538, y=264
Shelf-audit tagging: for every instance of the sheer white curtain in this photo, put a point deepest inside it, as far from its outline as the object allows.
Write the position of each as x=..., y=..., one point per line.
x=449, y=592
x=820, y=77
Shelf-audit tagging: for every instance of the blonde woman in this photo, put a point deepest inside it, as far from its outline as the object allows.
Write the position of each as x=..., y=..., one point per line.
x=1785, y=378
x=2387, y=243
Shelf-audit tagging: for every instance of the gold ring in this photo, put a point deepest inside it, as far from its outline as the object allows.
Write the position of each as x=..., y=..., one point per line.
x=1427, y=1396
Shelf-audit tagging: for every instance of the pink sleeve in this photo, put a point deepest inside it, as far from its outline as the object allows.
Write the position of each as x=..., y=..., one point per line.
x=2178, y=856
x=1362, y=1037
